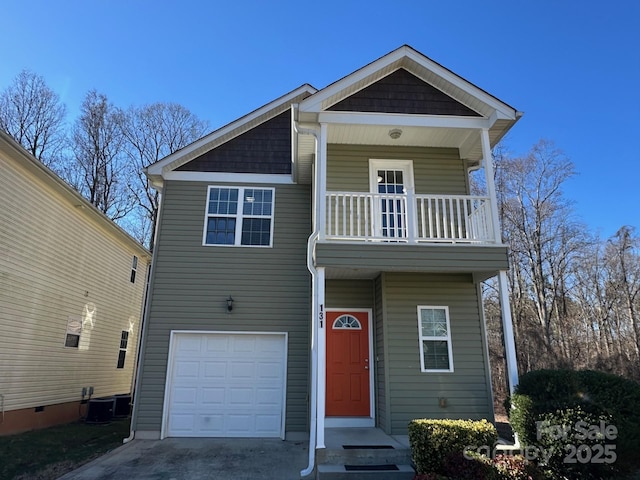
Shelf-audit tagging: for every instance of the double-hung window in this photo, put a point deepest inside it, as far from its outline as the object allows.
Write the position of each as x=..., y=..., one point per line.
x=239, y=216
x=435, y=339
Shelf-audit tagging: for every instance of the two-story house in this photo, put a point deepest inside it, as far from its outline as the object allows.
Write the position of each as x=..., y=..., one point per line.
x=319, y=260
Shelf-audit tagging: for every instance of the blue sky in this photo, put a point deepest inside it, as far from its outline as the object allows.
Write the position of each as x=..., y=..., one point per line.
x=572, y=66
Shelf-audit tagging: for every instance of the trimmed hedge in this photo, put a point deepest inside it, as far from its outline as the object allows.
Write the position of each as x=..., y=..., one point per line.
x=433, y=441
x=561, y=399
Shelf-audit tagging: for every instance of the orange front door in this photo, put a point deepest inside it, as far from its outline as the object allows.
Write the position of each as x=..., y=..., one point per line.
x=347, y=364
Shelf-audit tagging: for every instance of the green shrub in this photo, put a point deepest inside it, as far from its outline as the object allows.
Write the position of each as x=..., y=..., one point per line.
x=565, y=397
x=433, y=441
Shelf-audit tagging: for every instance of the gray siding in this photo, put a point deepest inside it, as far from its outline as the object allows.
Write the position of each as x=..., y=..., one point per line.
x=270, y=286
x=484, y=261
x=413, y=394
x=435, y=170
x=349, y=294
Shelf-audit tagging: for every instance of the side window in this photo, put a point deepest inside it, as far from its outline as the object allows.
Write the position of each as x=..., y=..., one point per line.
x=122, y=354
x=74, y=329
x=435, y=339
x=134, y=268
x=240, y=216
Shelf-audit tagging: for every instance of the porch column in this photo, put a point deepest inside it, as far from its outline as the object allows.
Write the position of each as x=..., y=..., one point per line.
x=507, y=329
x=321, y=161
x=322, y=358
x=491, y=186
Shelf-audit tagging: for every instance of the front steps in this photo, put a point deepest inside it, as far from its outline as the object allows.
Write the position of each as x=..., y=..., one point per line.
x=363, y=454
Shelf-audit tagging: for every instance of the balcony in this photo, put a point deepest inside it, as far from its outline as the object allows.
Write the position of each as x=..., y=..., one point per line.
x=408, y=218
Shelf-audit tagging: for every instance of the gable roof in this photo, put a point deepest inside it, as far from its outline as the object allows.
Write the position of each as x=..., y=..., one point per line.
x=227, y=132
x=469, y=101
x=422, y=67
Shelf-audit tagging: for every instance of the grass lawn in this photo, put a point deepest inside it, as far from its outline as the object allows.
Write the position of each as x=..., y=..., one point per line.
x=52, y=452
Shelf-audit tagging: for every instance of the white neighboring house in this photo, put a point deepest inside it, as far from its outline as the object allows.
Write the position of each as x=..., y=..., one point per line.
x=72, y=288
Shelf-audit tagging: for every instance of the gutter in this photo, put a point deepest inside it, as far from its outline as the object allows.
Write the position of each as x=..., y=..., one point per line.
x=313, y=400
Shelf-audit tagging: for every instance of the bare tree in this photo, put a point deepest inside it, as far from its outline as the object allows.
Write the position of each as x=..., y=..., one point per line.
x=152, y=132
x=622, y=251
x=543, y=239
x=34, y=116
x=102, y=175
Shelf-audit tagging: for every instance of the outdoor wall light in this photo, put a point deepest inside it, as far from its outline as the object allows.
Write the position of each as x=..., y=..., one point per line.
x=229, y=304
x=395, y=133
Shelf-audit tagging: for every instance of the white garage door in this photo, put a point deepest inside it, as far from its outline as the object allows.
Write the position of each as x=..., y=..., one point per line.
x=226, y=385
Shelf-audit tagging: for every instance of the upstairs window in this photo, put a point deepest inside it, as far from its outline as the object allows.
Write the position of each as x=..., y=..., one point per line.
x=239, y=216
x=134, y=268
x=435, y=339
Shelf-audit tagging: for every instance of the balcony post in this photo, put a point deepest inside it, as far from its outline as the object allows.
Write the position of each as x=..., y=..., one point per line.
x=412, y=215
x=491, y=186
x=321, y=165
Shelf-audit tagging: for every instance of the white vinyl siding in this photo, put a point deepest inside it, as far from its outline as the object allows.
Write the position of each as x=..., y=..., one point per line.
x=58, y=262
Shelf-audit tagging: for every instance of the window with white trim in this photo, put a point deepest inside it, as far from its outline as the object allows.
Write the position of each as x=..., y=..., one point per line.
x=435, y=339
x=239, y=216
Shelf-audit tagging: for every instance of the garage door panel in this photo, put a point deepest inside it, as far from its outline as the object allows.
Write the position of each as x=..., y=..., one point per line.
x=226, y=385
x=185, y=395
x=213, y=396
x=267, y=424
x=216, y=344
x=244, y=345
x=187, y=369
x=184, y=422
x=240, y=396
x=214, y=370
x=268, y=397
x=189, y=346
x=267, y=371
x=242, y=370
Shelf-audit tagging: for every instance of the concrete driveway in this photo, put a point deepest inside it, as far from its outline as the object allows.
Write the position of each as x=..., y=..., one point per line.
x=198, y=458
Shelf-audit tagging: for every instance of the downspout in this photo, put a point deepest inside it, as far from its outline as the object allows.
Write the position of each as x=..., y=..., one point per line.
x=313, y=401
x=143, y=336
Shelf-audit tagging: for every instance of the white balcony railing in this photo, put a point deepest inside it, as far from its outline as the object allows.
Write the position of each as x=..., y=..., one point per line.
x=408, y=218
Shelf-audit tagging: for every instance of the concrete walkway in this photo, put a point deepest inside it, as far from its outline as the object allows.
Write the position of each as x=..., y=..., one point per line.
x=199, y=458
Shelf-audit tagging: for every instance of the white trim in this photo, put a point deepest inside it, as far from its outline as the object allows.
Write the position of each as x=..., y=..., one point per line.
x=355, y=421
x=322, y=358
x=158, y=167
x=422, y=338
x=321, y=186
x=239, y=216
x=169, y=375
x=403, y=120
x=392, y=164
x=281, y=179
x=406, y=166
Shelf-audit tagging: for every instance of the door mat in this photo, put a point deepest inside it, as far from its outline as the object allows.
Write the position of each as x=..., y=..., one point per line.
x=368, y=447
x=366, y=468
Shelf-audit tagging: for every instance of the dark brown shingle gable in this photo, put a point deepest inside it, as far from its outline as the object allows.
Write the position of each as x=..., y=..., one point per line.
x=403, y=92
x=265, y=149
